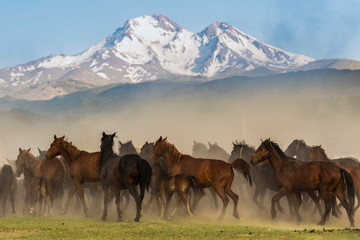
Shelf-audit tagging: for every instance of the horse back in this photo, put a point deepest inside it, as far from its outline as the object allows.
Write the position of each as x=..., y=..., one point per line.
x=204, y=170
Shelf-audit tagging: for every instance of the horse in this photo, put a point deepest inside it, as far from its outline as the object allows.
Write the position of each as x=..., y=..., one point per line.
x=180, y=184
x=216, y=152
x=317, y=153
x=124, y=172
x=263, y=177
x=199, y=150
x=49, y=176
x=126, y=148
x=299, y=149
x=294, y=175
x=83, y=167
x=207, y=172
x=7, y=188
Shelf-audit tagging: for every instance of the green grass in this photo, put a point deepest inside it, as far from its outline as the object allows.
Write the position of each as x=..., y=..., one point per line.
x=70, y=228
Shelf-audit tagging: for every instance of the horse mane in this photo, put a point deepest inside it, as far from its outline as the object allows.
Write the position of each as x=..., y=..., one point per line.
x=70, y=148
x=269, y=144
x=321, y=151
x=168, y=147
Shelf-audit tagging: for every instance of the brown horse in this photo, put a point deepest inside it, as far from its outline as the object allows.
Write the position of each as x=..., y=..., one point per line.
x=207, y=172
x=7, y=187
x=83, y=167
x=294, y=175
x=49, y=175
x=317, y=153
x=179, y=184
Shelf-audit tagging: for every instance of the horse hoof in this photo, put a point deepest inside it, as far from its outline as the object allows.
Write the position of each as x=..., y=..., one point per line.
x=136, y=219
x=236, y=215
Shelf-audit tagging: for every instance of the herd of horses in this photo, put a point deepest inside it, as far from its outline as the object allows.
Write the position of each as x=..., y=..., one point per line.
x=301, y=173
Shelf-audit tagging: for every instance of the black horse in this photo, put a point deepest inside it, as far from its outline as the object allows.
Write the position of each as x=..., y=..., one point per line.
x=117, y=173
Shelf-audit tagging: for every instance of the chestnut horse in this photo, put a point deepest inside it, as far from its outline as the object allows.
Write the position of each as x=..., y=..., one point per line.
x=294, y=175
x=7, y=188
x=317, y=153
x=119, y=173
x=48, y=175
x=208, y=172
x=83, y=167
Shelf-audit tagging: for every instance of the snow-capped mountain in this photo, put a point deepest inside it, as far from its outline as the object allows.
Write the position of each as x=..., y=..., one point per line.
x=147, y=48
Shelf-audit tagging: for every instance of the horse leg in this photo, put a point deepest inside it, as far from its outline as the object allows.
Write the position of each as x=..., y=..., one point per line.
x=294, y=200
x=233, y=196
x=316, y=200
x=220, y=190
x=213, y=194
x=136, y=196
x=282, y=192
x=334, y=209
x=117, y=201
x=82, y=198
x=325, y=194
x=177, y=205
x=70, y=194
x=162, y=204
x=26, y=202
x=12, y=199
x=198, y=194
x=167, y=203
x=106, y=195
x=340, y=194
x=50, y=193
x=3, y=203
x=256, y=195
x=186, y=199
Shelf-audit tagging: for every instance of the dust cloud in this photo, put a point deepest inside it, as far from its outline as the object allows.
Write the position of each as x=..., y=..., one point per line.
x=318, y=115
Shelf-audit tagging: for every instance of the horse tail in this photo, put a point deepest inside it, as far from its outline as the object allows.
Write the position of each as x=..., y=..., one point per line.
x=145, y=172
x=350, y=189
x=241, y=165
x=192, y=181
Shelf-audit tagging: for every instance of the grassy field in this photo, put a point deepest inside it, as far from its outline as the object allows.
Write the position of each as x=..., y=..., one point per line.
x=73, y=228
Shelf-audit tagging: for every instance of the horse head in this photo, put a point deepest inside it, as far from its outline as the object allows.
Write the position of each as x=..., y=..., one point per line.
x=159, y=148
x=262, y=153
x=55, y=147
x=146, y=150
x=20, y=161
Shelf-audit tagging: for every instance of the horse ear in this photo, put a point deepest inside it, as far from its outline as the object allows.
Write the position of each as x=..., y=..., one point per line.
x=160, y=139
x=55, y=137
x=120, y=143
x=112, y=136
x=20, y=150
x=103, y=134
x=146, y=143
x=234, y=144
x=39, y=150
x=29, y=149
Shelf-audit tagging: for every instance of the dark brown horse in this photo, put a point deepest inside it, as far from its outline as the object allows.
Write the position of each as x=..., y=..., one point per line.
x=294, y=175
x=83, y=167
x=207, y=172
x=119, y=173
x=48, y=175
x=7, y=188
x=317, y=153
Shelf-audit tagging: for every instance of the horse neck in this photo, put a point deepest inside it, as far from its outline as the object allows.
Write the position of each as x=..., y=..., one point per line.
x=275, y=159
x=321, y=156
x=106, y=153
x=30, y=161
x=69, y=152
x=172, y=156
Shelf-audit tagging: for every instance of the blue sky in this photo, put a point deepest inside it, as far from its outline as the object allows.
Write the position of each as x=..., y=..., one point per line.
x=316, y=28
